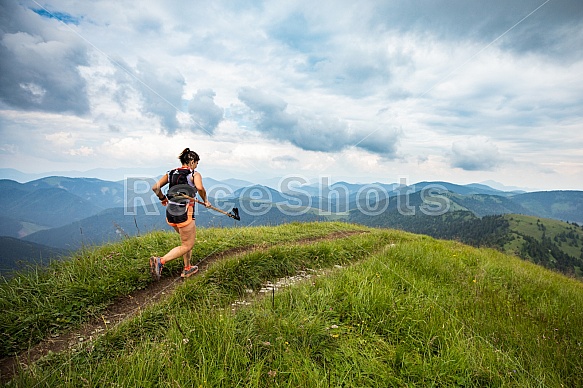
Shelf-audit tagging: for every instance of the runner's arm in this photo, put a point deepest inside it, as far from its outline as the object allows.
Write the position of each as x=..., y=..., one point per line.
x=157, y=188
x=197, y=178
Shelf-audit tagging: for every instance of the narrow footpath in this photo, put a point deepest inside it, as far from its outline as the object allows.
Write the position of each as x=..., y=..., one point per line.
x=124, y=308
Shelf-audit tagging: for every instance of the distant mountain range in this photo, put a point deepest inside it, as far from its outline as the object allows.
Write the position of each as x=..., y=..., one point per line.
x=16, y=254
x=56, y=214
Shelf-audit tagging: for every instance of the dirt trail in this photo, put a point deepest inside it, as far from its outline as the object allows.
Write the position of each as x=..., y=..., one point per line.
x=123, y=308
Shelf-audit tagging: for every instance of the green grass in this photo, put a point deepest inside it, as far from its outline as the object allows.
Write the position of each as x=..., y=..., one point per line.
x=535, y=226
x=388, y=309
x=47, y=301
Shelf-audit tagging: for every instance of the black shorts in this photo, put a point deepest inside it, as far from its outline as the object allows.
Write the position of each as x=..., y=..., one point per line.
x=179, y=214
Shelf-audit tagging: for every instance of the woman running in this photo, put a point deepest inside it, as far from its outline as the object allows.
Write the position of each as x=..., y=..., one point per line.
x=183, y=185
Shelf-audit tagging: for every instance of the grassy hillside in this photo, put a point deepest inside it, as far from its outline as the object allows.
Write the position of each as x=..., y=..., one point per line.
x=551, y=243
x=568, y=237
x=382, y=308
x=103, y=227
x=46, y=302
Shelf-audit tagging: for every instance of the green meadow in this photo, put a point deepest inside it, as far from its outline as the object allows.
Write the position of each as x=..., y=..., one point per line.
x=372, y=308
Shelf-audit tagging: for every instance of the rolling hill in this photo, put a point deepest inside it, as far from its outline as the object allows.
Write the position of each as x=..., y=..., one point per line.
x=307, y=305
x=16, y=254
x=551, y=243
x=44, y=206
x=559, y=205
x=114, y=224
x=102, y=194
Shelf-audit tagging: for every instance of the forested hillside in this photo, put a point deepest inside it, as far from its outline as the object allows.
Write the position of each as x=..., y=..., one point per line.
x=553, y=244
x=16, y=254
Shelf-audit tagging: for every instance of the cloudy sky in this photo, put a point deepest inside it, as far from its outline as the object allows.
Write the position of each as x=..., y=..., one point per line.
x=362, y=91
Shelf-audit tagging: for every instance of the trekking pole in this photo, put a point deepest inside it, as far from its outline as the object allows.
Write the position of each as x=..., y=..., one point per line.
x=234, y=214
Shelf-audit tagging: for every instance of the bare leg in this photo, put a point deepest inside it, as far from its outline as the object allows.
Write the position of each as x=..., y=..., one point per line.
x=188, y=255
x=187, y=239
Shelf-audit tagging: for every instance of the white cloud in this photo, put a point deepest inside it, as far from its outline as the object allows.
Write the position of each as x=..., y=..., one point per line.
x=81, y=151
x=475, y=154
x=8, y=149
x=368, y=89
x=61, y=139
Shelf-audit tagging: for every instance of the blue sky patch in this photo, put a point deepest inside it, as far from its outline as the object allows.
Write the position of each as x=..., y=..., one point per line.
x=62, y=16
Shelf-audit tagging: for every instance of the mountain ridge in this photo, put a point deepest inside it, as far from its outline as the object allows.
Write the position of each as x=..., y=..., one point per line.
x=69, y=213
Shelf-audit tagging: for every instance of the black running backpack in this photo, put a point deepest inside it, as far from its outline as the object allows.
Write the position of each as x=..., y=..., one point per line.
x=178, y=183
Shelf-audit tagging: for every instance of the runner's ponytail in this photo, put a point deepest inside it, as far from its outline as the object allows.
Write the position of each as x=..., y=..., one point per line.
x=188, y=156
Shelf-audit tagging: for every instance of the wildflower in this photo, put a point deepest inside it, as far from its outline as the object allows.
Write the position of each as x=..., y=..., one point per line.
x=272, y=373
x=334, y=327
x=334, y=335
x=474, y=280
x=185, y=340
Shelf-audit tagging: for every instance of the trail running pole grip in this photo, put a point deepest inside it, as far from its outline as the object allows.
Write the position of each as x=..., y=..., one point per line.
x=234, y=216
x=214, y=208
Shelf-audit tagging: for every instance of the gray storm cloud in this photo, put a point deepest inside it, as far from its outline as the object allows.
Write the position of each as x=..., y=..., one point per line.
x=160, y=90
x=39, y=64
x=39, y=70
x=381, y=141
x=485, y=21
x=312, y=132
x=204, y=113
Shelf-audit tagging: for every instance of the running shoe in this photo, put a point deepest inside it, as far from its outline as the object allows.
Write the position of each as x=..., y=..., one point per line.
x=156, y=267
x=189, y=271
